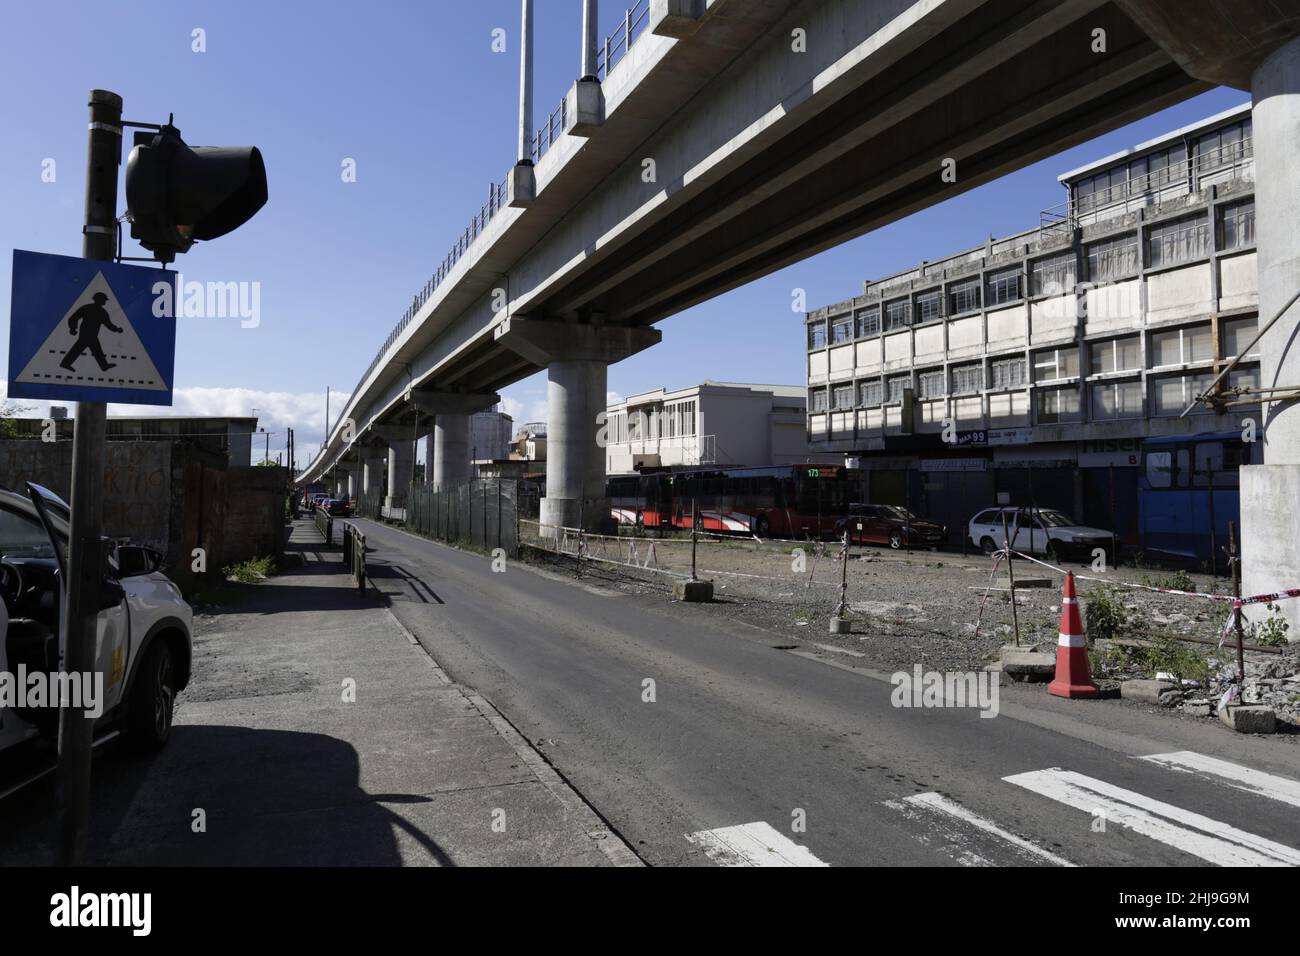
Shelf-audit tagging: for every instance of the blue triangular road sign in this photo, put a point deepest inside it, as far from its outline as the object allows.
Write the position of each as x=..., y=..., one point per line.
x=83, y=330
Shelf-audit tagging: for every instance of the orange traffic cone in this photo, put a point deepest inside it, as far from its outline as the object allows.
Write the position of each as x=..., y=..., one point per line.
x=1073, y=672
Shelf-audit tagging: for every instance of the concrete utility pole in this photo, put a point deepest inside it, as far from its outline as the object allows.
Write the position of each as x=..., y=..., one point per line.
x=526, y=85
x=85, y=555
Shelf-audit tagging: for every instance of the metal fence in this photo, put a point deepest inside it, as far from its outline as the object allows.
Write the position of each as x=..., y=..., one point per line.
x=325, y=525
x=481, y=513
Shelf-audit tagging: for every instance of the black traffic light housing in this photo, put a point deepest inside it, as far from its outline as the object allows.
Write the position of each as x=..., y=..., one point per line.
x=177, y=194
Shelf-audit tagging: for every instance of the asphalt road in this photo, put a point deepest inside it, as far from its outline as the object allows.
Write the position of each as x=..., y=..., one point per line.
x=743, y=733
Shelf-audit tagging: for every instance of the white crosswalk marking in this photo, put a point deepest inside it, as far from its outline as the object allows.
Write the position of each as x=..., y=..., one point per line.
x=1234, y=775
x=752, y=844
x=951, y=820
x=1184, y=830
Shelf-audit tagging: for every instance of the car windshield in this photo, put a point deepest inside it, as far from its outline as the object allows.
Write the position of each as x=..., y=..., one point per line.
x=21, y=536
x=895, y=511
x=1055, y=519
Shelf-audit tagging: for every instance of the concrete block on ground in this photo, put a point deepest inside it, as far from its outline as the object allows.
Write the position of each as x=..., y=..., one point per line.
x=1030, y=583
x=1249, y=718
x=1146, y=691
x=1023, y=664
x=693, y=591
x=841, y=626
x=1198, y=708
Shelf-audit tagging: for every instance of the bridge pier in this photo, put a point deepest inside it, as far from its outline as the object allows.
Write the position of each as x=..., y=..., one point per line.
x=577, y=359
x=372, y=471
x=447, y=458
x=401, y=472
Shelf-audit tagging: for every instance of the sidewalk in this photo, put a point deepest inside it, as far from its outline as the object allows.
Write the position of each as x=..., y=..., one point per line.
x=416, y=771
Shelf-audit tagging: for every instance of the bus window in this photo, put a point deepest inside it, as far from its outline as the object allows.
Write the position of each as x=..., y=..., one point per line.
x=1209, y=459
x=1159, y=469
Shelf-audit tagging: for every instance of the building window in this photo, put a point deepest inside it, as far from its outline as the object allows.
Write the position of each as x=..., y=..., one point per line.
x=1237, y=334
x=1223, y=147
x=870, y=393
x=964, y=297
x=1112, y=400
x=1010, y=373
x=1171, y=394
x=1237, y=225
x=869, y=321
x=819, y=399
x=929, y=385
x=898, y=314
x=929, y=306
x=967, y=379
x=1180, y=346
x=1173, y=243
x=841, y=330
x=843, y=396
x=817, y=335
x=1005, y=286
x=1058, y=405
x=1052, y=276
x=1165, y=167
x=1244, y=376
x=1052, y=364
x=679, y=419
x=1112, y=259
x=896, y=386
x=1117, y=355
x=617, y=428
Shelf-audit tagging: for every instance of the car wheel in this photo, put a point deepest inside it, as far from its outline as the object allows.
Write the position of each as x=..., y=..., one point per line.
x=153, y=700
x=895, y=540
x=987, y=545
x=761, y=526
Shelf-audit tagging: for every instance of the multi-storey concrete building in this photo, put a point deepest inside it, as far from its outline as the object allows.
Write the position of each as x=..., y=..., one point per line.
x=1033, y=366
x=722, y=423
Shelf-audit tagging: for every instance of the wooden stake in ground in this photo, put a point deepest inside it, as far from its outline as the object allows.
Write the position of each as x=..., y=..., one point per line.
x=1236, y=611
x=1011, y=580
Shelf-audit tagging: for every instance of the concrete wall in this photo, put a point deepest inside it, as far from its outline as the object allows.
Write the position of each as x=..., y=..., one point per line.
x=138, y=486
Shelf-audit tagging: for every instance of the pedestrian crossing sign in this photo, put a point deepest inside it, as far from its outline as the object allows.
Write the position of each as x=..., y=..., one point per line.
x=89, y=331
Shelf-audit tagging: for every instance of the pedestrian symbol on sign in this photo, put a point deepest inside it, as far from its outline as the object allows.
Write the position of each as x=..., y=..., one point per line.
x=91, y=318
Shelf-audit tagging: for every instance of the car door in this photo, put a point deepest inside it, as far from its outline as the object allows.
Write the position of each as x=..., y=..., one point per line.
x=112, y=629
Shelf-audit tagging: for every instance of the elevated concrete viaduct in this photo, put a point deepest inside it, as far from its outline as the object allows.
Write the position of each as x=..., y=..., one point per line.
x=736, y=137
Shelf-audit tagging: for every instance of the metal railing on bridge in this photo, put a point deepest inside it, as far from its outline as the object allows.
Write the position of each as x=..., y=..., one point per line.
x=325, y=525
x=354, y=554
x=635, y=21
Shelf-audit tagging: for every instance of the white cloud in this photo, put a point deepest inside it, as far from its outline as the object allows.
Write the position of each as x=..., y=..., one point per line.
x=276, y=413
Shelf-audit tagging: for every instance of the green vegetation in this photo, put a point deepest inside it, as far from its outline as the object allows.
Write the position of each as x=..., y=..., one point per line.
x=1177, y=658
x=250, y=572
x=1105, y=616
x=1270, y=632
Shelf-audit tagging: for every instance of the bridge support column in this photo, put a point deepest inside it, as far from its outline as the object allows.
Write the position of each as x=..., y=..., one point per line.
x=448, y=459
x=428, y=458
x=1270, y=524
x=372, y=472
x=575, y=464
x=577, y=358
x=401, y=472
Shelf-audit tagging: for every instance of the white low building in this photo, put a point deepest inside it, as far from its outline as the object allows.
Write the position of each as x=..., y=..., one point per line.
x=713, y=423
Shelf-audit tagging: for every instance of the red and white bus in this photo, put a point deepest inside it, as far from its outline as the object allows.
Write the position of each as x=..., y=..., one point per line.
x=784, y=501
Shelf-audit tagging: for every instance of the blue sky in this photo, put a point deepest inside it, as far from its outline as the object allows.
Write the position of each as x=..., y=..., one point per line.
x=414, y=94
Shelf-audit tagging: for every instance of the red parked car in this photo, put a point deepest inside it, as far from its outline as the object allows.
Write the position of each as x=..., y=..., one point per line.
x=892, y=525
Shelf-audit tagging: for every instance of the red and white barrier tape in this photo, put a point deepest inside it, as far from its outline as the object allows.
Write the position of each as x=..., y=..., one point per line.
x=1237, y=602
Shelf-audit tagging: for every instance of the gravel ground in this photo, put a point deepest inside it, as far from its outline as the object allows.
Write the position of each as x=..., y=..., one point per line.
x=923, y=607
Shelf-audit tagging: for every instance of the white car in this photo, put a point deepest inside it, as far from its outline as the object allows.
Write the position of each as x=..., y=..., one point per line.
x=1042, y=531
x=144, y=644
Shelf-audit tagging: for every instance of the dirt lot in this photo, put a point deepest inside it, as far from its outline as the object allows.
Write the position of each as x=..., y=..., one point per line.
x=923, y=608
